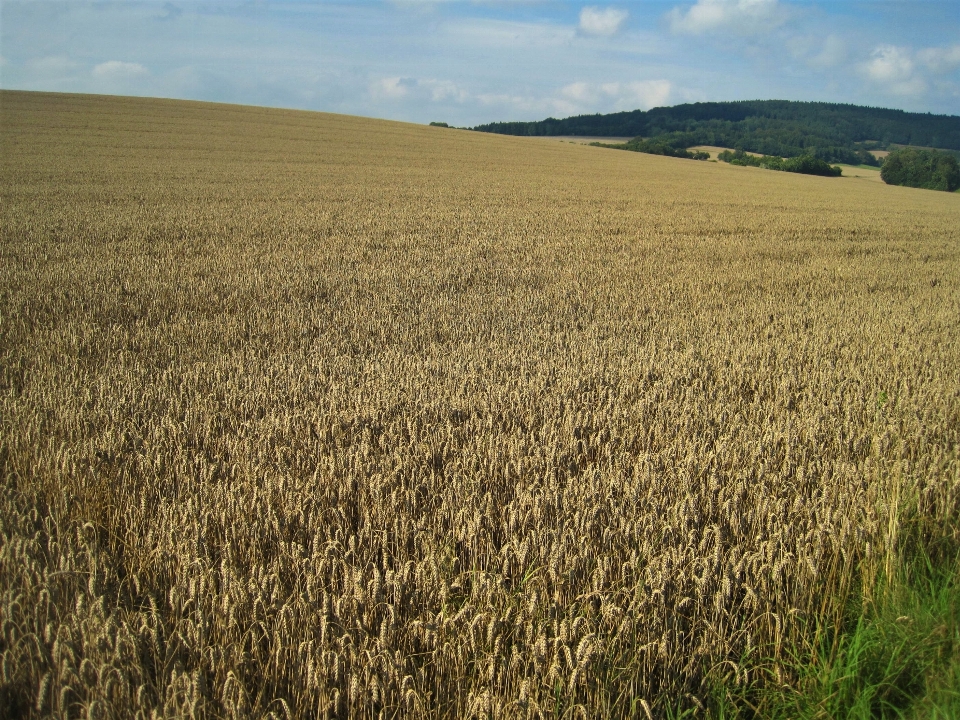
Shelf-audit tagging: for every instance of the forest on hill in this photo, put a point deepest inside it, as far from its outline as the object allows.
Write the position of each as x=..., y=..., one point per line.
x=831, y=132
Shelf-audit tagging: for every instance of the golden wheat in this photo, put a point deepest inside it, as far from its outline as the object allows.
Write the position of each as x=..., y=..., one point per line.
x=306, y=415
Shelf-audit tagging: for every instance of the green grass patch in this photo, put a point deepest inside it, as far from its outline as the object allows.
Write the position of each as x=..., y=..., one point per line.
x=895, y=655
x=859, y=167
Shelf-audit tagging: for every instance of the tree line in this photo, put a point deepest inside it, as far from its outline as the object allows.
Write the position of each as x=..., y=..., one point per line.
x=656, y=148
x=806, y=164
x=828, y=131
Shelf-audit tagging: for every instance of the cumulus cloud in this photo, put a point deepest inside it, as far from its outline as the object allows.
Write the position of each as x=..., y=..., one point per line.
x=414, y=89
x=117, y=70
x=606, y=21
x=893, y=68
x=445, y=96
x=901, y=71
x=940, y=60
x=444, y=90
x=638, y=94
x=392, y=88
x=578, y=91
x=833, y=53
x=738, y=16
x=642, y=94
x=889, y=63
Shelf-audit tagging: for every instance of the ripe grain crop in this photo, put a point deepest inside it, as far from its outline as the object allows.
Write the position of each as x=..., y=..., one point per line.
x=306, y=415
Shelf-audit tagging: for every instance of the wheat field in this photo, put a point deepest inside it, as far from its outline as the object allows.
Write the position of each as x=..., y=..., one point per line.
x=311, y=416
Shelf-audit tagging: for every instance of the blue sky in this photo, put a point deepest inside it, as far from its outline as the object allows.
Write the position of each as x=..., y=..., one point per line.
x=471, y=62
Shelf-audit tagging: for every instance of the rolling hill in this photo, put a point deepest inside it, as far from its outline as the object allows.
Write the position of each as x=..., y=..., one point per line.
x=832, y=132
x=308, y=415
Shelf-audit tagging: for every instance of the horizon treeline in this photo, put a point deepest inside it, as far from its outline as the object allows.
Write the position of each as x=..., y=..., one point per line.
x=828, y=131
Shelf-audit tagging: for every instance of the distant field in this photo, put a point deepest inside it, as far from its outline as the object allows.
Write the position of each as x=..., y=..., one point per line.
x=308, y=415
x=864, y=172
x=714, y=150
x=583, y=140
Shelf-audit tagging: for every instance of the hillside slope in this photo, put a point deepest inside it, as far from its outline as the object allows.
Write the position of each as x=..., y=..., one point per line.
x=317, y=416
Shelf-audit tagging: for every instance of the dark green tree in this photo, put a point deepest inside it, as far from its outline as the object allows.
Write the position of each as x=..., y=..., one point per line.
x=806, y=164
x=920, y=168
x=810, y=165
x=656, y=148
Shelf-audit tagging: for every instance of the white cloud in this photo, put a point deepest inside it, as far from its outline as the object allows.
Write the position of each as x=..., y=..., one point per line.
x=889, y=63
x=392, y=88
x=940, y=60
x=638, y=94
x=893, y=69
x=607, y=21
x=117, y=70
x=901, y=71
x=645, y=94
x=417, y=90
x=914, y=87
x=444, y=90
x=833, y=53
x=578, y=98
x=578, y=92
x=267, y=54
x=744, y=17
